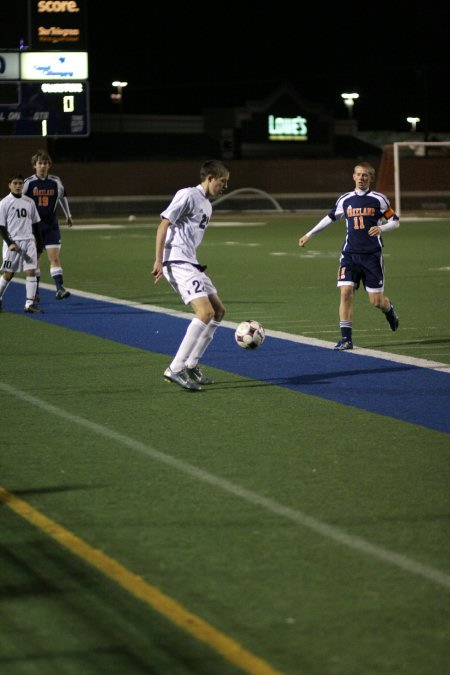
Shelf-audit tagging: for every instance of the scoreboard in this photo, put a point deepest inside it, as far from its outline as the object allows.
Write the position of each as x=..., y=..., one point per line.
x=44, y=89
x=44, y=94
x=44, y=109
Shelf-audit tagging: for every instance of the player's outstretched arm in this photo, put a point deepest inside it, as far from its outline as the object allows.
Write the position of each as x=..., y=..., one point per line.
x=321, y=225
x=303, y=240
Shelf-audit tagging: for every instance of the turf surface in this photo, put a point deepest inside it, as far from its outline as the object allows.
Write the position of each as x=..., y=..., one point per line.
x=310, y=531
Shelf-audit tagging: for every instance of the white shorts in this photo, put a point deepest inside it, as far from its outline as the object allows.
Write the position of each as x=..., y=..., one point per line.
x=189, y=282
x=13, y=262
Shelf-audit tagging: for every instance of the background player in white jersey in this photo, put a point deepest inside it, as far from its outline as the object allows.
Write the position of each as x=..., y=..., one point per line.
x=368, y=214
x=19, y=228
x=46, y=190
x=180, y=232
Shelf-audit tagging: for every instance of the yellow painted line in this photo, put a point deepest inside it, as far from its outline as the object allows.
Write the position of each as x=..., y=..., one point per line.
x=219, y=642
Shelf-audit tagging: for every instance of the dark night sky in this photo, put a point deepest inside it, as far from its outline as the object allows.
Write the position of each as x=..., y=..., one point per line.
x=396, y=55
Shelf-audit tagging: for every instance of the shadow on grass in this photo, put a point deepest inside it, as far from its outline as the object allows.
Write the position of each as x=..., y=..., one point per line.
x=54, y=489
x=424, y=341
x=309, y=379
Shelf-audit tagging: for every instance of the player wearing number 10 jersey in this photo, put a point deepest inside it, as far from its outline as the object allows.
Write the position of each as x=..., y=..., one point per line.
x=368, y=214
x=19, y=229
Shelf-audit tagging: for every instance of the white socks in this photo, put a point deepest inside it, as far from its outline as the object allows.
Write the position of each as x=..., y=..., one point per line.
x=197, y=338
x=31, y=285
x=3, y=285
x=202, y=343
x=30, y=288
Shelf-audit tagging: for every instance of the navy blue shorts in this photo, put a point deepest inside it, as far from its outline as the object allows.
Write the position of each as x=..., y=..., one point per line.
x=51, y=236
x=367, y=268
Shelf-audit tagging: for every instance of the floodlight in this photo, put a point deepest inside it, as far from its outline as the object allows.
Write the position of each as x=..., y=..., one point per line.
x=349, y=100
x=413, y=122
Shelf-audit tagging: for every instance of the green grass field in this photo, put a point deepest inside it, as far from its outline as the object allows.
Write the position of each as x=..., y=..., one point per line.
x=251, y=529
x=260, y=271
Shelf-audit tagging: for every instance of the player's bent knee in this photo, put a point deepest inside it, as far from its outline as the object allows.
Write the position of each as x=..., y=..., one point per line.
x=377, y=300
x=219, y=314
x=206, y=317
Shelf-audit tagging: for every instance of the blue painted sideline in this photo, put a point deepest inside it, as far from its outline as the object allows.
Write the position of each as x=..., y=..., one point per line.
x=398, y=390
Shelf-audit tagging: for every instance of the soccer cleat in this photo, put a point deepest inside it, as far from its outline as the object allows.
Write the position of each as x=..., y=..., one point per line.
x=61, y=293
x=181, y=378
x=32, y=309
x=344, y=344
x=392, y=318
x=196, y=375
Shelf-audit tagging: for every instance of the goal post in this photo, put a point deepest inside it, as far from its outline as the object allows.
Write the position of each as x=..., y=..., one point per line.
x=416, y=147
x=244, y=202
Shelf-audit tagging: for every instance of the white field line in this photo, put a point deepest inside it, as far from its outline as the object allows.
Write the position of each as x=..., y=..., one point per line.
x=302, y=519
x=141, y=226
x=301, y=339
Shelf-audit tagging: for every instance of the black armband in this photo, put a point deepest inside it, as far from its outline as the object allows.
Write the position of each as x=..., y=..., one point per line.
x=5, y=235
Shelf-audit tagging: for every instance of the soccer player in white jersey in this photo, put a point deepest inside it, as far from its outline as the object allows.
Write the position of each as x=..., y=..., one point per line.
x=368, y=214
x=19, y=228
x=179, y=234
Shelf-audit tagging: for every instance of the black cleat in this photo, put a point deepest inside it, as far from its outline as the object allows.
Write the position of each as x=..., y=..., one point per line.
x=344, y=344
x=392, y=318
x=61, y=293
x=196, y=375
x=32, y=309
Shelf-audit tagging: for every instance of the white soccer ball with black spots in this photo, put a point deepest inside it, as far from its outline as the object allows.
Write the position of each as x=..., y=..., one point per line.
x=249, y=334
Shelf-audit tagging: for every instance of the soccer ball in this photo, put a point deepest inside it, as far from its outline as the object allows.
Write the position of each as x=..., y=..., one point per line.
x=249, y=334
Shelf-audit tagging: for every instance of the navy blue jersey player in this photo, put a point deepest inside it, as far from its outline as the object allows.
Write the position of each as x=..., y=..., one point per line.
x=368, y=214
x=46, y=190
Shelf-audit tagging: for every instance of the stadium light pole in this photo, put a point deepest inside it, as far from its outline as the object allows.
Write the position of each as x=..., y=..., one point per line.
x=117, y=97
x=413, y=122
x=349, y=100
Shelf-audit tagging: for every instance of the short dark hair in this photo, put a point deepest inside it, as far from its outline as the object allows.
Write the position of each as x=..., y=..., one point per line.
x=15, y=176
x=213, y=167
